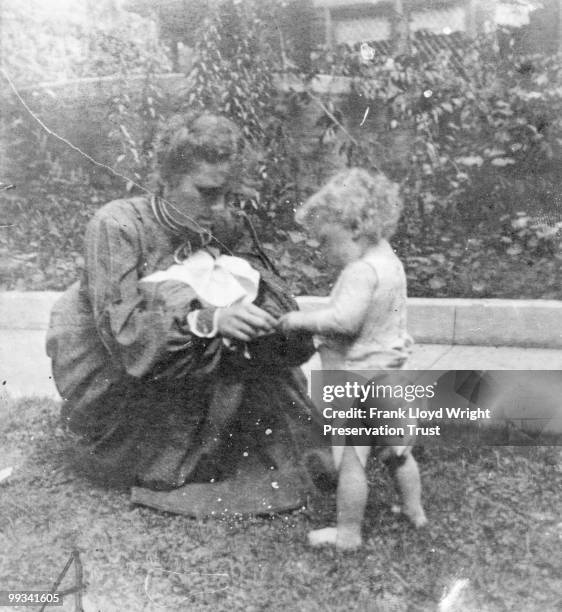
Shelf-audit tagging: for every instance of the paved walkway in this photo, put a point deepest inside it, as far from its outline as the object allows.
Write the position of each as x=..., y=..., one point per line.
x=24, y=366
x=452, y=335
x=25, y=369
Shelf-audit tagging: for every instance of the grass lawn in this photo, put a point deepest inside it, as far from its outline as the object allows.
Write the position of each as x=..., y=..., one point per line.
x=495, y=519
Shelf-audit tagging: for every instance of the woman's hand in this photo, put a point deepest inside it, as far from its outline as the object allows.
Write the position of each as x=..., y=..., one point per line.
x=244, y=321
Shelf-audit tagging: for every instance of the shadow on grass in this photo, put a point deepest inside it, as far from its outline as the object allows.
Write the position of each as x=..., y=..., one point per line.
x=494, y=520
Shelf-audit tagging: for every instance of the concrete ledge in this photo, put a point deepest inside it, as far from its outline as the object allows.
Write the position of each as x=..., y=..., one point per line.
x=432, y=321
x=509, y=322
x=447, y=331
x=525, y=323
x=171, y=83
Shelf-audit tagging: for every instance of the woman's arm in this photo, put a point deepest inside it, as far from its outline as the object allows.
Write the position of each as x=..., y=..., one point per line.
x=142, y=330
x=138, y=330
x=348, y=306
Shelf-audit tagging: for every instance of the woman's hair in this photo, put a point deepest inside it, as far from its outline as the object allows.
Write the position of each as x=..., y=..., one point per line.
x=185, y=141
x=367, y=204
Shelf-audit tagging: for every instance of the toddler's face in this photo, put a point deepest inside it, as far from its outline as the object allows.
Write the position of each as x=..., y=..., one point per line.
x=338, y=244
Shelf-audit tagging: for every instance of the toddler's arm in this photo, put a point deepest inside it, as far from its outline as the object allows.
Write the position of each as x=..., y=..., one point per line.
x=347, y=309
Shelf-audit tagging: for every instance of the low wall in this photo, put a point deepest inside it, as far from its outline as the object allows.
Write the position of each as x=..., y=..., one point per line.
x=84, y=112
x=523, y=323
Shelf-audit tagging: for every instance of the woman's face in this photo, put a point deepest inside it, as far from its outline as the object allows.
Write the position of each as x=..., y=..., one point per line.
x=199, y=196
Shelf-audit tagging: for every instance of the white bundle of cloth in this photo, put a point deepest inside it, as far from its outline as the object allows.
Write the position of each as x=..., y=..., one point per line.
x=218, y=281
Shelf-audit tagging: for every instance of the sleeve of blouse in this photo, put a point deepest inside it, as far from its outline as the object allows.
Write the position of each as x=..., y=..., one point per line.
x=348, y=305
x=139, y=330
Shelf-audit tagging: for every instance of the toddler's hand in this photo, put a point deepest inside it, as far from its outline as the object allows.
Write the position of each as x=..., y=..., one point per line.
x=287, y=322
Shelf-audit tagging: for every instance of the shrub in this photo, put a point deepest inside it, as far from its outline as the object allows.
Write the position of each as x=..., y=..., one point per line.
x=479, y=135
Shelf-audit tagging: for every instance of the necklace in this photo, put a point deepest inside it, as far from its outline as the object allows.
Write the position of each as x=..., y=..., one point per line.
x=167, y=221
x=163, y=216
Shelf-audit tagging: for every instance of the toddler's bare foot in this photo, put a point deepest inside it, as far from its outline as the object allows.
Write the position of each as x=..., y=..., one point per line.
x=349, y=538
x=322, y=537
x=341, y=538
x=418, y=519
x=415, y=516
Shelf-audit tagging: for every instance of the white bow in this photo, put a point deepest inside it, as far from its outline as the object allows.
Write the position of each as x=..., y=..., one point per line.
x=217, y=282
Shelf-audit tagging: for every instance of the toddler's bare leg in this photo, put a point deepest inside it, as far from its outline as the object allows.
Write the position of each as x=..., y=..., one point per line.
x=407, y=477
x=352, y=496
x=351, y=500
x=328, y=535
x=337, y=455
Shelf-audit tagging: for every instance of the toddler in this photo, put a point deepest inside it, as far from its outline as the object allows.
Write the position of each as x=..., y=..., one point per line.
x=362, y=328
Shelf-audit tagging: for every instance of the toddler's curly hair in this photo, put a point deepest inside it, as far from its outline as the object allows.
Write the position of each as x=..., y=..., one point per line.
x=370, y=205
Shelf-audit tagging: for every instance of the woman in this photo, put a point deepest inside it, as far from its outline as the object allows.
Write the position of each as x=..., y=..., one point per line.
x=171, y=382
